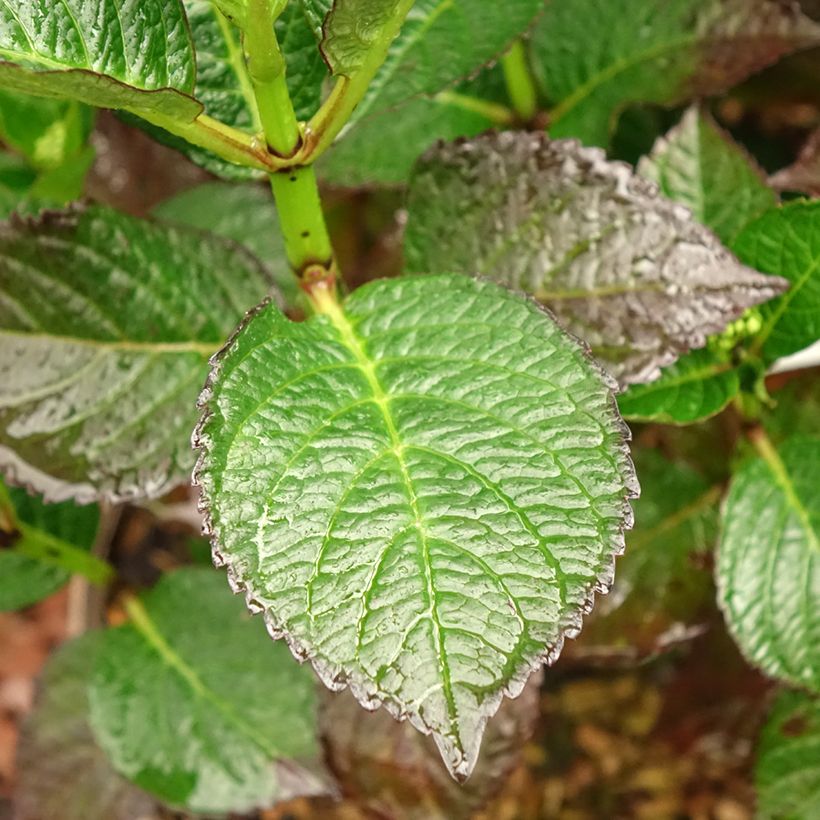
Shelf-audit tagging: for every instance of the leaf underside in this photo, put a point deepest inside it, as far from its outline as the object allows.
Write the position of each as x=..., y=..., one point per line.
x=107, y=323
x=593, y=58
x=626, y=270
x=769, y=562
x=421, y=491
x=243, y=714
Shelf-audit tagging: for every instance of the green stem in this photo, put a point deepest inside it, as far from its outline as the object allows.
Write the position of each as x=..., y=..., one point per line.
x=349, y=91
x=497, y=114
x=520, y=85
x=302, y=222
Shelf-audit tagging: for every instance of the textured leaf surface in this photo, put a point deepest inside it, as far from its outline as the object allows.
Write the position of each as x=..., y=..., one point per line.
x=100, y=52
x=107, y=323
x=697, y=386
x=786, y=242
x=443, y=41
x=394, y=771
x=421, y=491
x=40, y=545
x=788, y=763
x=244, y=213
x=662, y=583
x=62, y=771
x=700, y=166
x=243, y=713
x=595, y=57
x=623, y=268
x=769, y=561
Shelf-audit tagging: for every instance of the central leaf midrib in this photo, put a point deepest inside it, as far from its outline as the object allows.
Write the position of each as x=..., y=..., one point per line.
x=366, y=365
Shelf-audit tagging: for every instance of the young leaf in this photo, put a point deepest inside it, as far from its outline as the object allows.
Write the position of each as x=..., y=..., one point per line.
x=595, y=57
x=107, y=324
x=786, y=242
x=63, y=772
x=769, y=561
x=804, y=174
x=699, y=165
x=41, y=545
x=697, y=386
x=100, y=54
x=421, y=489
x=244, y=213
x=623, y=268
x=440, y=42
x=787, y=775
x=244, y=715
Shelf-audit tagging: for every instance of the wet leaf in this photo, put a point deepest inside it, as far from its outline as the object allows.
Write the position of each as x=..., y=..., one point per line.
x=786, y=242
x=701, y=166
x=788, y=763
x=804, y=174
x=769, y=561
x=393, y=770
x=421, y=490
x=135, y=58
x=63, y=772
x=41, y=545
x=242, y=713
x=697, y=386
x=593, y=58
x=107, y=324
x=244, y=213
x=623, y=268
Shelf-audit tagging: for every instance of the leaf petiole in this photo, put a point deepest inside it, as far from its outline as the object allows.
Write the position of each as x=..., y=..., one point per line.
x=520, y=84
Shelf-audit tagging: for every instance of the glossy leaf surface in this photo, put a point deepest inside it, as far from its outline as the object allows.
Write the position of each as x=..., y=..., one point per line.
x=595, y=57
x=786, y=242
x=242, y=712
x=699, y=165
x=63, y=772
x=697, y=386
x=41, y=545
x=101, y=52
x=421, y=490
x=769, y=561
x=787, y=775
x=107, y=323
x=623, y=268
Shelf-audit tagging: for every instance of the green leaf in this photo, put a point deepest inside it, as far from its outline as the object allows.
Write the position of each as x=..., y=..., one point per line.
x=593, y=58
x=107, y=323
x=244, y=213
x=787, y=774
x=626, y=270
x=421, y=489
x=41, y=545
x=769, y=561
x=786, y=242
x=441, y=42
x=699, y=165
x=139, y=59
x=697, y=386
x=62, y=771
x=243, y=713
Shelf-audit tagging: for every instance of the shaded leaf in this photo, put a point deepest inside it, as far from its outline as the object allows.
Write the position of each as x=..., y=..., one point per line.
x=107, y=325
x=393, y=770
x=699, y=165
x=41, y=545
x=804, y=174
x=244, y=213
x=63, y=772
x=697, y=386
x=787, y=775
x=786, y=242
x=242, y=712
x=769, y=561
x=421, y=490
x=595, y=57
x=95, y=52
x=623, y=268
